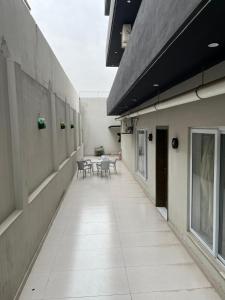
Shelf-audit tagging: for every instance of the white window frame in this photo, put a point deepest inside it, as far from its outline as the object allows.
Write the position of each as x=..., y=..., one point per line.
x=221, y=259
x=217, y=133
x=145, y=154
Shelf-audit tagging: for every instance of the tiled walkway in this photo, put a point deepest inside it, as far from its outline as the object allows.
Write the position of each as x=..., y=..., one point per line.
x=108, y=242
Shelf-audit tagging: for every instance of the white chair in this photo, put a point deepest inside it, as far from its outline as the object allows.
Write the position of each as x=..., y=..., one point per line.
x=89, y=163
x=112, y=163
x=104, y=157
x=83, y=166
x=103, y=167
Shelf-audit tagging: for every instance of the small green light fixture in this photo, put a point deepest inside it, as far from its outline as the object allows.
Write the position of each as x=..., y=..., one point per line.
x=41, y=123
x=72, y=126
x=62, y=125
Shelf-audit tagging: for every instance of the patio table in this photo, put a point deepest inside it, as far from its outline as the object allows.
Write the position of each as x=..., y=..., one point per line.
x=95, y=162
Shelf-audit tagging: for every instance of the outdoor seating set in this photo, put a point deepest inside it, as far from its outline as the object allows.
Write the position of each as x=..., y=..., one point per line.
x=100, y=166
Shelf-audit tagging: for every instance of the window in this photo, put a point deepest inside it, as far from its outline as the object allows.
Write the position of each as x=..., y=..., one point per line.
x=207, y=207
x=142, y=152
x=222, y=200
x=203, y=153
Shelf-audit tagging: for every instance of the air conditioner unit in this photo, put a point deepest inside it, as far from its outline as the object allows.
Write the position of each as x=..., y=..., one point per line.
x=126, y=31
x=128, y=126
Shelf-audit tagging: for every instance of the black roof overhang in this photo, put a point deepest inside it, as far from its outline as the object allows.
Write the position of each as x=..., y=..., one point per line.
x=124, y=13
x=184, y=56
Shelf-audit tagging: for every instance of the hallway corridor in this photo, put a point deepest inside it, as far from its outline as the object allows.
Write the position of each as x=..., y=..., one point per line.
x=108, y=242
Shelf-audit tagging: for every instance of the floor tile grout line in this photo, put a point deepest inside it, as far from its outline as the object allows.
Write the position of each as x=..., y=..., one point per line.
x=114, y=268
x=118, y=232
x=84, y=297
x=56, y=254
x=124, y=261
x=126, y=268
x=176, y=290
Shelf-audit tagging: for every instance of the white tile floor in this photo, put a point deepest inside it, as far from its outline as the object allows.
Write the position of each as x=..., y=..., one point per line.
x=108, y=242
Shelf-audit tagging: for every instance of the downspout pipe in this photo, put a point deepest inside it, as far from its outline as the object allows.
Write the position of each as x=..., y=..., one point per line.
x=206, y=91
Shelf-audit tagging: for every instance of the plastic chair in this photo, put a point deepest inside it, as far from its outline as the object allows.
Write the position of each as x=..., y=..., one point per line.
x=104, y=157
x=83, y=166
x=89, y=163
x=113, y=164
x=103, y=167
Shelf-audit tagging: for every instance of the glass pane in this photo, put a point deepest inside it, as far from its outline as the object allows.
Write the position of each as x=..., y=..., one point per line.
x=203, y=148
x=141, y=152
x=222, y=199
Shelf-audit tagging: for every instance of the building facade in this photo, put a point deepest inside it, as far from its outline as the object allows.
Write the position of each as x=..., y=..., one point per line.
x=170, y=94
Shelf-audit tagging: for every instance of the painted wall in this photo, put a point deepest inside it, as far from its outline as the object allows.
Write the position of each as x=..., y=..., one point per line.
x=24, y=43
x=96, y=124
x=61, y=133
x=7, y=203
x=208, y=113
x=36, y=166
x=38, y=151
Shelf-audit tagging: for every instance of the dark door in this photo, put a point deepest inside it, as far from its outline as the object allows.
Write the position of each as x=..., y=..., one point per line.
x=162, y=167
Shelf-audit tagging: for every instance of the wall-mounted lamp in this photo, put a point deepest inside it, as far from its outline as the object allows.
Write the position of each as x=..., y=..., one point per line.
x=41, y=123
x=72, y=126
x=62, y=125
x=175, y=143
x=150, y=137
x=119, y=137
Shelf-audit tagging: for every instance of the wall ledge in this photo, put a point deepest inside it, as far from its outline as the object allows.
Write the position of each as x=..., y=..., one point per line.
x=46, y=182
x=23, y=282
x=64, y=163
x=4, y=226
x=41, y=187
x=73, y=153
x=38, y=190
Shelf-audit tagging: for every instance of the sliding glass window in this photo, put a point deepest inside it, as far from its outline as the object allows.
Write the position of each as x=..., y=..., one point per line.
x=203, y=180
x=221, y=248
x=142, y=152
x=207, y=206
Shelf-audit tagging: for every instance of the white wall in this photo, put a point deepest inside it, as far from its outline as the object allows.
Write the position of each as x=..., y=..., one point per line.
x=179, y=120
x=24, y=43
x=36, y=166
x=96, y=124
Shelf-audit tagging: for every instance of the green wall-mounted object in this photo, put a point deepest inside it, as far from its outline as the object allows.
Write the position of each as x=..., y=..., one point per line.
x=62, y=125
x=72, y=126
x=41, y=123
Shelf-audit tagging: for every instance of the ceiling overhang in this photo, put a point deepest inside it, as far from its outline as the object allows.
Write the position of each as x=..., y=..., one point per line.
x=183, y=55
x=121, y=12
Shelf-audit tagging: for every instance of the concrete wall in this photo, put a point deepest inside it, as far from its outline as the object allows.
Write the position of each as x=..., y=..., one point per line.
x=24, y=43
x=208, y=113
x=71, y=132
x=38, y=144
x=96, y=124
x=7, y=203
x=61, y=133
x=36, y=166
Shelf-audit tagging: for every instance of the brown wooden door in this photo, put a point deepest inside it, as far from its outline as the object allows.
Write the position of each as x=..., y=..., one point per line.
x=162, y=168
